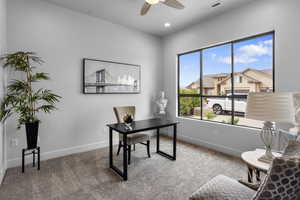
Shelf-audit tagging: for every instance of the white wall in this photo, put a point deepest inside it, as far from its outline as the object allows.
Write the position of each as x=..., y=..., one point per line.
x=3, y=30
x=62, y=38
x=257, y=17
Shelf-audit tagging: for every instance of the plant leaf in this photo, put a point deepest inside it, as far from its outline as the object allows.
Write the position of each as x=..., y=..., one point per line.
x=39, y=76
x=46, y=108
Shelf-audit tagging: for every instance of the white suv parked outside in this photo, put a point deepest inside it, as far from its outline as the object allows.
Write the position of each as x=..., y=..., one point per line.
x=220, y=105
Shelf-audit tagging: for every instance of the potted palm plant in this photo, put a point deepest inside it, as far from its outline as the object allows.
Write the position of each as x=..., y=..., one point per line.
x=22, y=99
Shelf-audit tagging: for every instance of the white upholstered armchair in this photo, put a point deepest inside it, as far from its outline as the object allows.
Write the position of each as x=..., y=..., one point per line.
x=281, y=183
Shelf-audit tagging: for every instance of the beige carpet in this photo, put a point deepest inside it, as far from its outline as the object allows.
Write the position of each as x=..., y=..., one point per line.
x=86, y=176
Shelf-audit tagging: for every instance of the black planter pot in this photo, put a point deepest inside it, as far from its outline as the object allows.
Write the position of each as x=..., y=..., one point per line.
x=32, y=130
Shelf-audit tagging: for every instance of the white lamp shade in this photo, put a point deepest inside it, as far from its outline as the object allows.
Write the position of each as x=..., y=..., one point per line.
x=274, y=107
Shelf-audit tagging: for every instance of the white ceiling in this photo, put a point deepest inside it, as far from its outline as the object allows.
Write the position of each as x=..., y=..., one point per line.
x=126, y=12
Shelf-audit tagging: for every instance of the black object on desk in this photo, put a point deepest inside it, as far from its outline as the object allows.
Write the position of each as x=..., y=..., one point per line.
x=34, y=152
x=139, y=126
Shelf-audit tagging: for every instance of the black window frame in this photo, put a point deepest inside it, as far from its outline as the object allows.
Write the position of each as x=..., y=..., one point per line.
x=233, y=96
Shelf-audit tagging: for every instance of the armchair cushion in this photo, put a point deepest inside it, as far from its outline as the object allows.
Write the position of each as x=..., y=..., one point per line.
x=283, y=179
x=137, y=138
x=223, y=188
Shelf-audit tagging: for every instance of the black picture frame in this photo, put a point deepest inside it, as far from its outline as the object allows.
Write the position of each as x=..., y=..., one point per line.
x=101, y=87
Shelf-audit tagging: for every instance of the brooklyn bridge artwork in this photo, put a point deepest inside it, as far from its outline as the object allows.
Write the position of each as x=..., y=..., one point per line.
x=106, y=77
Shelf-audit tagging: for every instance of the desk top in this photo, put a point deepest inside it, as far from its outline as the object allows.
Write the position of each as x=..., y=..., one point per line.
x=142, y=125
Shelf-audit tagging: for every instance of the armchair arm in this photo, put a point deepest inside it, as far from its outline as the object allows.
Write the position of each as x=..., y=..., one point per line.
x=223, y=188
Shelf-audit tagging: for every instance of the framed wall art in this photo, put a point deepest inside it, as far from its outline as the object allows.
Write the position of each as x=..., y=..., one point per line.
x=107, y=77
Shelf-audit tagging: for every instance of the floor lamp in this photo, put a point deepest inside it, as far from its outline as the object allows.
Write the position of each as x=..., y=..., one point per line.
x=270, y=108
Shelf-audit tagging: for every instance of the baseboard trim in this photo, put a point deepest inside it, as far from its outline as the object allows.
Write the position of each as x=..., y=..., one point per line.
x=59, y=153
x=89, y=147
x=216, y=147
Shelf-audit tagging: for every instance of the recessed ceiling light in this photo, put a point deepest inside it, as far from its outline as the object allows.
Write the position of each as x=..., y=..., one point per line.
x=216, y=4
x=167, y=24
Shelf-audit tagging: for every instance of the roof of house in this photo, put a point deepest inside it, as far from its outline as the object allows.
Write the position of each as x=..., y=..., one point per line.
x=217, y=75
x=209, y=82
x=268, y=72
x=250, y=79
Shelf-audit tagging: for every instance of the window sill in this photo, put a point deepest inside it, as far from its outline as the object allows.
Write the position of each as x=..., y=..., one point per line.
x=219, y=123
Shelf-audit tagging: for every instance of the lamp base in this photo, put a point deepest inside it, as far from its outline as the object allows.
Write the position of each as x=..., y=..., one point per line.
x=267, y=136
x=296, y=130
x=267, y=157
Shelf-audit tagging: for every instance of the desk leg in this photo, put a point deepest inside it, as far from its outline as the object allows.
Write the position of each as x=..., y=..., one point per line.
x=171, y=157
x=110, y=147
x=157, y=140
x=125, y=161
x=174, y=140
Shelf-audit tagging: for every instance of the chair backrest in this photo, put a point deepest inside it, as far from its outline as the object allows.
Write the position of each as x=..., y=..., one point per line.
x=283, y=179
x=120, y=112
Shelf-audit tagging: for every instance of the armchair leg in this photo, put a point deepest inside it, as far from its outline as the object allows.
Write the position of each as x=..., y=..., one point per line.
x=119, y=148
x=148, y=148
x=129, y=154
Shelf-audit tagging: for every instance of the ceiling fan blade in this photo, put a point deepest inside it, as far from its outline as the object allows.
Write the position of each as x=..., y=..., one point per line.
x=145, y=8
x=173, y=4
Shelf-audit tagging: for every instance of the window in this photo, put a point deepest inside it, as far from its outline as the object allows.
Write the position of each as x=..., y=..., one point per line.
x=238, y=79
x=214, y=82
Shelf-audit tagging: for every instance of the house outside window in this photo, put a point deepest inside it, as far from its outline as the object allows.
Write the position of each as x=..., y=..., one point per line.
x=214, y=82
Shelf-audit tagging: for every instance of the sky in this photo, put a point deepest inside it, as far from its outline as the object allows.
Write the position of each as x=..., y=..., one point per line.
x=254, y=53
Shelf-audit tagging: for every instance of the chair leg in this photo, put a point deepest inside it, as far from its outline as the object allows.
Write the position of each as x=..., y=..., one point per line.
x=129, y=154
x=148, y=148
x=119, y=148
x=133, y=147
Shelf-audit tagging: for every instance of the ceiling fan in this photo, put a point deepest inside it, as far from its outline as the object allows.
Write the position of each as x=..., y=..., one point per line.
x=171, y=3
